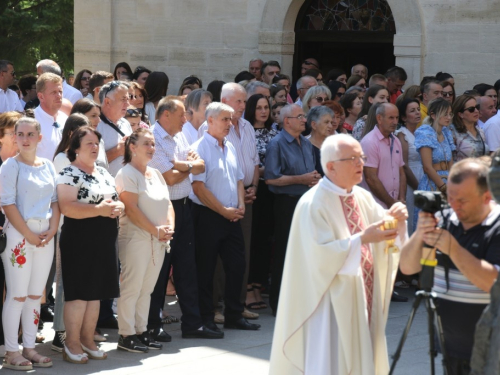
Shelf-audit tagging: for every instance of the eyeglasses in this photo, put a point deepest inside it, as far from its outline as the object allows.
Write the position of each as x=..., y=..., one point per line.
x=447, y=94
x=134, y=112
x=299, y=117
x=85, y=79
x=320, y=99
x=112, y=86
x=471, y=109
x=355, y=159
x=306, y=62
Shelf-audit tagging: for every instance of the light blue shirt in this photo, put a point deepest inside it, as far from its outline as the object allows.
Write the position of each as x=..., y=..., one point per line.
x=31, y=189
x=222, y=171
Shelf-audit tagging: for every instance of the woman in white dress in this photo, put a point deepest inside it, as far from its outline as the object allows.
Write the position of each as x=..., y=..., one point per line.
x=409, y=110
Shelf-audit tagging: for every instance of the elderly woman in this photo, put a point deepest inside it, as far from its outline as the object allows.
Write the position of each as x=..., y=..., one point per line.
x=145, y=229
x=322, y=122
x=89, y=203
x=196, y=103
x=33, y=218
x=315, y=96
x=468, y=136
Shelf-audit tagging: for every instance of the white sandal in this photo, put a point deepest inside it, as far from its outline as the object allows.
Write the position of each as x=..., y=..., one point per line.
x=95, y=354
x=14, y=361
x=32, y=353
x=74, y=358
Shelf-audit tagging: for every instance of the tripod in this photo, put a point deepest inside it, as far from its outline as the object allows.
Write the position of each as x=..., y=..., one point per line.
x=433, y=319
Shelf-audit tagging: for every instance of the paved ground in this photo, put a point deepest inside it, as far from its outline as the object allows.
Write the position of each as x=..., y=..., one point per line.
x=238, y=353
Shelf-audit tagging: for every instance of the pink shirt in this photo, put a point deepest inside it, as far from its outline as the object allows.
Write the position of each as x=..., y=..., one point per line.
x=386, y=155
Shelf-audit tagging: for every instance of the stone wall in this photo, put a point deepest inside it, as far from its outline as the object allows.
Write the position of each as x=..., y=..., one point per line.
x=215, y=39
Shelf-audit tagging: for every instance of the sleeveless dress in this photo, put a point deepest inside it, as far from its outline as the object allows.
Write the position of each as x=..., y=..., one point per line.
x=415, y=164
x=89, y=258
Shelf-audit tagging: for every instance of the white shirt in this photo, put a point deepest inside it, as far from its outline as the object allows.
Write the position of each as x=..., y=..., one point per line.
x=111, y=138
x=51, y=135
x=190, y=132
x=480, y=124
x=70, y=93
x=150, y=110
x=245, y=146
x=492, y=132
x=9, y=101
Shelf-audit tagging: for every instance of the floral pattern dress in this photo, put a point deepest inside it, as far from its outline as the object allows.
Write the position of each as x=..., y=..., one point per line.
x=89, y=259
x=262, y=139
x=359, y=128
x=468, y=146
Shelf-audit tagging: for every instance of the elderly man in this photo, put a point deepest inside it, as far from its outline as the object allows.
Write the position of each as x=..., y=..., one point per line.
x=269, y=70
x=254, y=67
x=49, y=91
x=219, y=205
x=303, y=85
x=338, y=277
x=396, y=79
x=9, y=100
x=467, y=237
x=176, y=163
x=487, y=110
x=258, y=88
x=290, y=172
x=50, y=66
x=97, y=80
x=383, y=170
x=113, y=127
x=431, y=89
x=360, y=70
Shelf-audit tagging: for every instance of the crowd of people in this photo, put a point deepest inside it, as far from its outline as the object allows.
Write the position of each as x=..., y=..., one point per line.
x=113, y=188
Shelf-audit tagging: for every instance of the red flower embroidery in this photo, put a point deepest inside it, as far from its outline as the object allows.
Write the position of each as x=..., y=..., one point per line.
x=18, y=255
x=37, y=317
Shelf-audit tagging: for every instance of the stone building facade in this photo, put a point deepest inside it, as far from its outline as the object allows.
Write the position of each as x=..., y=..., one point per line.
x=215, y=39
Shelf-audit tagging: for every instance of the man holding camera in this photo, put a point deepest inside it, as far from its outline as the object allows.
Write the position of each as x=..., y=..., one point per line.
x=467, y=237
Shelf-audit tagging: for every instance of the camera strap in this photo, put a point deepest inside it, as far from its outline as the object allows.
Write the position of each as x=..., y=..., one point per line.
x=446, y=260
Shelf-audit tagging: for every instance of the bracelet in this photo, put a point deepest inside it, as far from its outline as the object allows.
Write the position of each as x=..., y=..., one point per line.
x=442, y=186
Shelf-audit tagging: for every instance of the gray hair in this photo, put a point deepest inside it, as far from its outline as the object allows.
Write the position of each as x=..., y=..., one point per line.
x=300, y=82
x=330, y=148
x=214, y=109
x=382, y=107
x=4, y=64
x=254, y=60
x=313, y=92
x=195, y=97
x=317, y=113
x=166, y=104
x=287, y=111
x=110, y=88
x=28, y=120
x=364, y=67
x=252, y=87
x=230, y=88
x=49, y=66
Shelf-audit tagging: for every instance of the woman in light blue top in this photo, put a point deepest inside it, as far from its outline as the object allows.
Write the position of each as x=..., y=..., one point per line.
x=29, y=200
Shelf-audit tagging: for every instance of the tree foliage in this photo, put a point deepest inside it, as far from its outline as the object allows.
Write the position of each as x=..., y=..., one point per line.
x=31, y=30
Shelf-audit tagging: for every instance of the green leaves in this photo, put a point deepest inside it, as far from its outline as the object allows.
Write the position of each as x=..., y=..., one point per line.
x=31, y=30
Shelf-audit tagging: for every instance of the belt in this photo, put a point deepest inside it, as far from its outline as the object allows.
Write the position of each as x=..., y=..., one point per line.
x=184, y=200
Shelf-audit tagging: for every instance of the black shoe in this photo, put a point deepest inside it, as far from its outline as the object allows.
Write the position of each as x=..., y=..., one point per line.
x=242, y=324
x=132, y=344
x=203, y=333
x=47, y=314
x=40, y=324
x=397, y=298
x=147, y=340
x=58, y=342
x=111, y=323
x=212, y=326
x=158, y=334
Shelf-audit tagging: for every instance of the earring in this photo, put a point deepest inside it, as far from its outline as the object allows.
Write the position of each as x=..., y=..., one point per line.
x=76, y=155
x=135, y=154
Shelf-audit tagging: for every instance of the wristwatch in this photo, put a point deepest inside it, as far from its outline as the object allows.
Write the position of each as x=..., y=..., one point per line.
x=190, y=167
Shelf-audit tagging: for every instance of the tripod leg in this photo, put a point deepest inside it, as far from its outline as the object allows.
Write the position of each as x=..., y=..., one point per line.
x=440, y=336
x=430, y=323
x=397, y=354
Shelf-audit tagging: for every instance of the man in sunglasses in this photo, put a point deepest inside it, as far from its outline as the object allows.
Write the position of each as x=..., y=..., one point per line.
x=9, y=101
x=431, y=89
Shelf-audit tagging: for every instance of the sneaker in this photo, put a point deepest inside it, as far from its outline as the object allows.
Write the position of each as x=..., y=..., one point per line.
x=58, y=342
x=148, y=340
x=401, y=284
x=132, y=344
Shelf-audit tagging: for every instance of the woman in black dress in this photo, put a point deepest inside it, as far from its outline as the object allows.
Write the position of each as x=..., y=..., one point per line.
x=89, y=203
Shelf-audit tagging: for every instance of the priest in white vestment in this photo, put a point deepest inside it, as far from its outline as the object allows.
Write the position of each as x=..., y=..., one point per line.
x=338, y=276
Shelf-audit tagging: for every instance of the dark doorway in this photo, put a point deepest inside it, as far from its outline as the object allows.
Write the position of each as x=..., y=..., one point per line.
x=340, y=34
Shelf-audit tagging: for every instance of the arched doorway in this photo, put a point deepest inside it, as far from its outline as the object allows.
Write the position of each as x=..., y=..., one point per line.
x=341, y=33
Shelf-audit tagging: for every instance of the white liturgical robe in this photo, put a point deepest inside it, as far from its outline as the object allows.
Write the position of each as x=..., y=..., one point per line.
x=322, y=323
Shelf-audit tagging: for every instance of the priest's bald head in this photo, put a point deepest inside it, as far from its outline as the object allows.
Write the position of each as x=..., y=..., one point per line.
x=342, y=160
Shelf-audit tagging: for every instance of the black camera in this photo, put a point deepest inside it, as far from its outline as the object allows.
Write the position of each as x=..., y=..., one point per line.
x=428, y=201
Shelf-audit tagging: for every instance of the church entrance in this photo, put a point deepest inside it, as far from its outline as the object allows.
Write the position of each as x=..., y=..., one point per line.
x=342, y=33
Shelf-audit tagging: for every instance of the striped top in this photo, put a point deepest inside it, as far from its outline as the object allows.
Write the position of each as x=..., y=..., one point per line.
x=461, y=289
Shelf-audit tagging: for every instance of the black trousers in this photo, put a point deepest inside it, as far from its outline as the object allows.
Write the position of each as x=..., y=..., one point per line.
x=284, y=206
x=215, y=235
x=182, y=258
x=262, y=235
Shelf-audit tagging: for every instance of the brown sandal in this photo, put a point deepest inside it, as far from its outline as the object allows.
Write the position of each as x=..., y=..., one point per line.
x=37, y=359
x=15, y=362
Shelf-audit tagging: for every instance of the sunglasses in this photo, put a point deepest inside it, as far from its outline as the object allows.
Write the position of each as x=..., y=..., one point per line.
x=320, y=99
x=472, y=109
x=112, y=86
x=134, y=112
x=306, y=62
x=447, y=94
